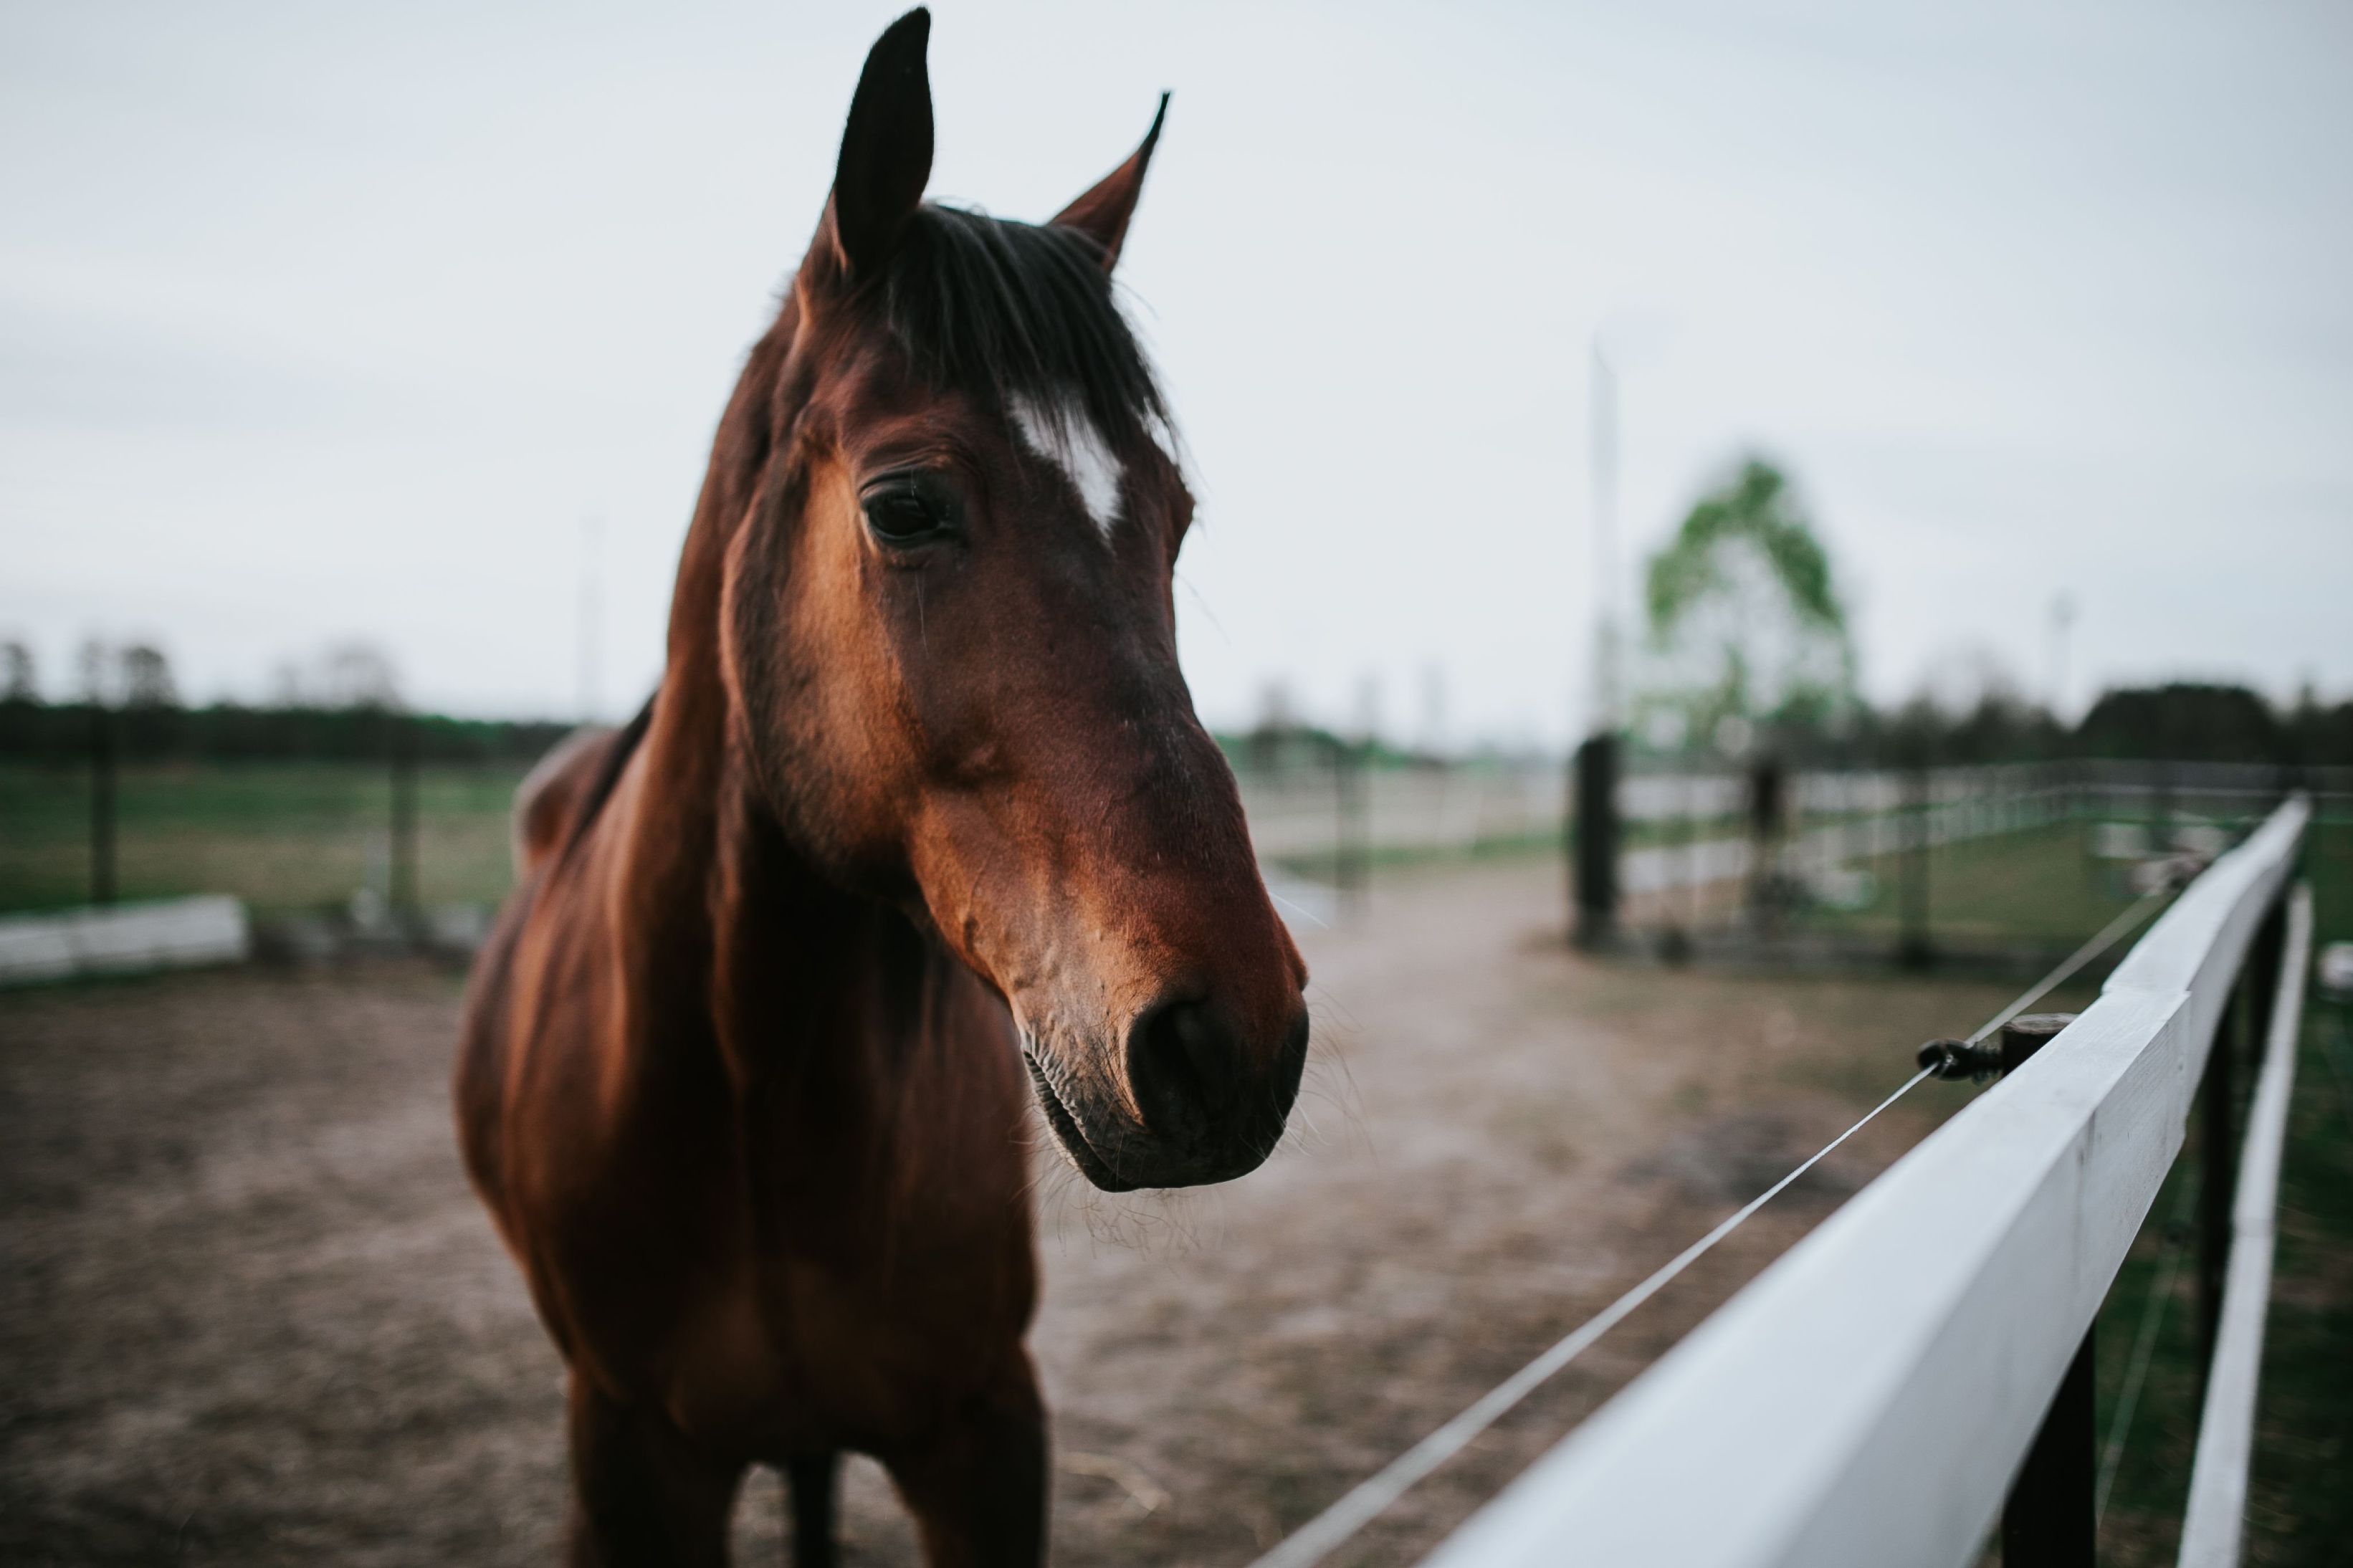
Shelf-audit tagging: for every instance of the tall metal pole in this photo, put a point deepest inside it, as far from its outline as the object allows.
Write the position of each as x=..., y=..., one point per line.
x=2062, y=620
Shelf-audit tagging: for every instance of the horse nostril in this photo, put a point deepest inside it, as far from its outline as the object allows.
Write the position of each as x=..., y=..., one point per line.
x=1179, y=1061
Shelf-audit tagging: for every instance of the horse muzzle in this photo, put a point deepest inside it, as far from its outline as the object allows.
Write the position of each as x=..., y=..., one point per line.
x=1203, y=1101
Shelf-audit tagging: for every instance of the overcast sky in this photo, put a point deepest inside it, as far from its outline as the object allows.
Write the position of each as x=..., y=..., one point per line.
x=318, y=324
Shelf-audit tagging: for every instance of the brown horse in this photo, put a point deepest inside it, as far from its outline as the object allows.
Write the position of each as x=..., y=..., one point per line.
x=920, y=798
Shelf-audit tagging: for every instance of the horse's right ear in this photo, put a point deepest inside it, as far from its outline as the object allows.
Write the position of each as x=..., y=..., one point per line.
x=1103, y=214
x=886, y=149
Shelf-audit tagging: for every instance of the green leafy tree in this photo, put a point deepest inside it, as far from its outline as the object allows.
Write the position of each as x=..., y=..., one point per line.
x=1747, y=627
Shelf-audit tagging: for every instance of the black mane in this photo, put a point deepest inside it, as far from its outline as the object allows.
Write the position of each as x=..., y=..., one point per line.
x=1007, y=310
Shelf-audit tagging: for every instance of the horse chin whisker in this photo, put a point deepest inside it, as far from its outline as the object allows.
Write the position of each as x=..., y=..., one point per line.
x=1147, y=1221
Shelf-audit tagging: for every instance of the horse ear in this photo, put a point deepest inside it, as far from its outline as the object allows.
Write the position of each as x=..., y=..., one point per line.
x=1102, y=213
x=886, y=149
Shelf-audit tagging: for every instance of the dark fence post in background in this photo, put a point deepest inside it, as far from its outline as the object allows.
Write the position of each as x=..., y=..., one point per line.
x=402, y=870
x=1913, y=950
x=101, y=804
x=1352, y=851
x=1593, y=842
x=2047, y=1522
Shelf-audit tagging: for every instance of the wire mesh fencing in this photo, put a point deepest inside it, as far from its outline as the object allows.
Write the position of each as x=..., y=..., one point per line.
x=1996, y=863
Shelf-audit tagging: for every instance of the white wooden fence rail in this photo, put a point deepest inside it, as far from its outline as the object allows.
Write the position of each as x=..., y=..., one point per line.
x=1866, y=1399
x=124, y=939
x=2216, y=1521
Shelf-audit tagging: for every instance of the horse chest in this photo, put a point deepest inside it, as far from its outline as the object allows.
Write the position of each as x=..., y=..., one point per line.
x=796, y=1354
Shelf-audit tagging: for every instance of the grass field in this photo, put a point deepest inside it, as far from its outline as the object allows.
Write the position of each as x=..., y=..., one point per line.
x=282, y=835
x=303, y=836
x=2039, y=883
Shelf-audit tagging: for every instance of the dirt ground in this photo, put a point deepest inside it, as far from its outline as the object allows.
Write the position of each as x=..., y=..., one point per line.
x=250, y=1313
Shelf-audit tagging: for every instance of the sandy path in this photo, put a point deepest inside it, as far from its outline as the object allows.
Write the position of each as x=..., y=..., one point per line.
x=250, y=1313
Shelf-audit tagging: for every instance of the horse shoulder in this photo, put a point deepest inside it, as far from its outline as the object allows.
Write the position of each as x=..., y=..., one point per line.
x=477, y=1090
x=504, y=1003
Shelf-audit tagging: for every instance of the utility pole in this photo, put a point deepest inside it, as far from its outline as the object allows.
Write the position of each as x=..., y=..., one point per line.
x=2063, y=621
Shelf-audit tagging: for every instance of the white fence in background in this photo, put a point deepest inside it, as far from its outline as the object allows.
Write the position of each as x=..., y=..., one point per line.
x=1297, y=813
x=1867, y=1399
x=1958, y=812
x=124, y=939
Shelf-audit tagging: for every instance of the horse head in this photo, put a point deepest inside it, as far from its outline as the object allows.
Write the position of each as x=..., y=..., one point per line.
x=948, y=631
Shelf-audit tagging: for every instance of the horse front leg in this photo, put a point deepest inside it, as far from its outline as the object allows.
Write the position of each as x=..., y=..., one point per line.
x=642, y=1493
x=977, y=1484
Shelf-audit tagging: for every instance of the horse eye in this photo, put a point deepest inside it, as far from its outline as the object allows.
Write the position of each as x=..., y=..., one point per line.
x=903, y=514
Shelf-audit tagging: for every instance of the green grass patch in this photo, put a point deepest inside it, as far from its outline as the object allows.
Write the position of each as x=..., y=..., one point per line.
x=282, y=835
x=2038, y=883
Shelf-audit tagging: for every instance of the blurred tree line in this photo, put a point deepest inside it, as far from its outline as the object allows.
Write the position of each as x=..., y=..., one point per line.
x=344, y=707
x=1748, y=650
x=34, y=732
x=2182, y=722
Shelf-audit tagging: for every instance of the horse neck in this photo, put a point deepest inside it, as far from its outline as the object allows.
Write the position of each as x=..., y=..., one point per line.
x=739, y=926
x=770, y=1011
x=686, y=803
x=821, y=1025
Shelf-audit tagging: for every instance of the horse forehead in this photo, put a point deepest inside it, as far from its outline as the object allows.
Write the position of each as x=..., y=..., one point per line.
x=1067, y=438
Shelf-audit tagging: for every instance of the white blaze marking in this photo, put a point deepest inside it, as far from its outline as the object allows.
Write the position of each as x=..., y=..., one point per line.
x=1068, y=439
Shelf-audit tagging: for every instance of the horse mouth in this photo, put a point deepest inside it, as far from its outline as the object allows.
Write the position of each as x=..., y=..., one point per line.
x=1067, y=1134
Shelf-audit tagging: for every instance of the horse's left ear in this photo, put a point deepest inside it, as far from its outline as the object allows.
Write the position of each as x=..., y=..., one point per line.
x=1102, y=213
x=886, y=149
